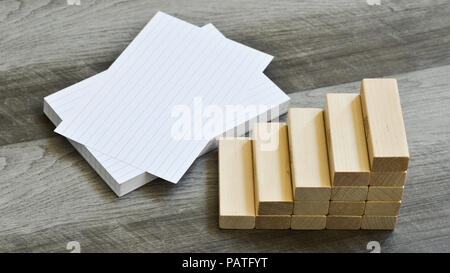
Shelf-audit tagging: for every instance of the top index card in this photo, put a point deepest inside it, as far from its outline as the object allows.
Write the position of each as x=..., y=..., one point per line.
x=170, y=65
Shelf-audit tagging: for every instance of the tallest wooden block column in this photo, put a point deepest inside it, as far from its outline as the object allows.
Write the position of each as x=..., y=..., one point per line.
x=385, y=130
x=347, y=149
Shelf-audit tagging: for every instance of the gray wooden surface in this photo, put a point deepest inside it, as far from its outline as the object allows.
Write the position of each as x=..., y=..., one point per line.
x=49, y=195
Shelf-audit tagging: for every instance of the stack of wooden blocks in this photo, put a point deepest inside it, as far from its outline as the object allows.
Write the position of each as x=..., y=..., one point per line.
x=343, y=167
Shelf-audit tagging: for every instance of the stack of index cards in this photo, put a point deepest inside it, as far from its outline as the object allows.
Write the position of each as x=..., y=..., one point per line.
x=164, y=102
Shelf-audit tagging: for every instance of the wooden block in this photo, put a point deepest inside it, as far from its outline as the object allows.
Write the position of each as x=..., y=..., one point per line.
x=273, y=189
x=273, y=221
x=383, y=208
x=389, y=179
x=347, y=149
x=308, y=222
x=311, y=207
x=357, y=193
x=347, y=208
x=385, y=130
x=379, y=222
x=236, y=194
x=309, y=157
x=376, y=193
x=343, y=222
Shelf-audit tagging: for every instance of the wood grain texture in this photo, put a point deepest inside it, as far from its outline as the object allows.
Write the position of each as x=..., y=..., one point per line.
x=379, y=222
x=311, y=207
x=346, y=141
x=49, y=195
x=273, y=221
x=48, y=45
x=385, y=208
x=345, y=222
x=384, y=126
x=342, y=193
x=308, y=222
x=308, y=153
x=355, y=208
x=272, y=176
x=376, y=193
x=236, y=191
x=393, y=179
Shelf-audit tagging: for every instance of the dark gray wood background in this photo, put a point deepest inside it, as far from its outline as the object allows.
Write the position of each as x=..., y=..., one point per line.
x=49, y=195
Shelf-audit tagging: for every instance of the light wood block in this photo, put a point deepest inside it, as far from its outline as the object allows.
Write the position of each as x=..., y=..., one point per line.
x=308, y=154
x=384, y=208
x=311, y=207
x=387, y=179
x=385, y=193
x=379, y=222
x=385, y=129
x=347, y=149
x=347, y=208
x=308, y=222
x=236, y=193
x=357, y=193
x=343, y=222
x=273, y=189
x=273, y=221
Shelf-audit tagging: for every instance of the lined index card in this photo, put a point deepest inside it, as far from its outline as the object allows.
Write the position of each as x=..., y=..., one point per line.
x=168, y=64
x=121, y=177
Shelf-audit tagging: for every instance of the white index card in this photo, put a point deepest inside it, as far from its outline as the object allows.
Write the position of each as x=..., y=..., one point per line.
x=120, y=177
x=167, y=65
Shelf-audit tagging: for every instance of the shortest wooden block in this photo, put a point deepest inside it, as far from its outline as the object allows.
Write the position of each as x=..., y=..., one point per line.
x=308, y=222
x=358, y=193
x=311, y=207
x=379, y=222
x=343, y=222
x=385, y=193
x=273, y=221
x=236, y=193
x=383, y=208
x=347, y=208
